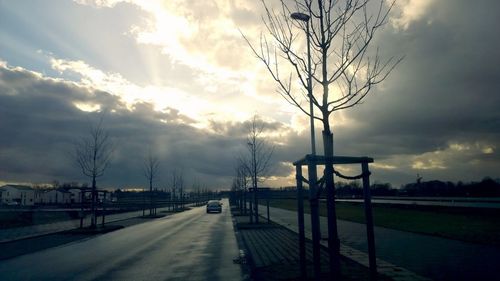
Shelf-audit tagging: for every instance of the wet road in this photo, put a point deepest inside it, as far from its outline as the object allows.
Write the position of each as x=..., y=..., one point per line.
x=191, y=245
x=434, y=257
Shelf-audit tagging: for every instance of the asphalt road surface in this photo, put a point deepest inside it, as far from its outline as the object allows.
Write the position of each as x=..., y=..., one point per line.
x=191, y=245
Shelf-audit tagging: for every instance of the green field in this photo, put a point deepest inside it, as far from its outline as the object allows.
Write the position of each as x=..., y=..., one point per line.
x=479, y=226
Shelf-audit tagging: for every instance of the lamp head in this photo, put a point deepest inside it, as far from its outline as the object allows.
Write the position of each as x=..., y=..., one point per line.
x=300, y=16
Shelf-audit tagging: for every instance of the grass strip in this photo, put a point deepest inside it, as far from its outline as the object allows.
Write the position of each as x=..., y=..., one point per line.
x=458, y=224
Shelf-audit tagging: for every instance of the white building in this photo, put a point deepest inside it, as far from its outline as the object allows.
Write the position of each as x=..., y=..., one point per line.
x=12, y=194
x=39, y=196
x=75, y=195
x=56, y=196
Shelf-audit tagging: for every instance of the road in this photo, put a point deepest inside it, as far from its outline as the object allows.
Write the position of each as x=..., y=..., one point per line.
x=191, y=245
x=429, y=256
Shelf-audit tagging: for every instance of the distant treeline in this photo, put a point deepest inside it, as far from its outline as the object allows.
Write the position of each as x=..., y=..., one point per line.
x=485, y=188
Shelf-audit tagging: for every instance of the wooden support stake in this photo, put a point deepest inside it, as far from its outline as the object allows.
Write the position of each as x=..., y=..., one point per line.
x=103, y=209
x=251, y=211
x=82, y=213
x=315, y=224
x=268, y=218
x=300, y=218
x=369, y=221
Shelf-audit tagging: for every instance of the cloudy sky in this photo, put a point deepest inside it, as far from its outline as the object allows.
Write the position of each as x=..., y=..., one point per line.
x=177, y=78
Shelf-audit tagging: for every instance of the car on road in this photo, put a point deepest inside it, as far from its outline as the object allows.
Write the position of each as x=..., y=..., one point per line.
x=214, y=206
x=12, y=203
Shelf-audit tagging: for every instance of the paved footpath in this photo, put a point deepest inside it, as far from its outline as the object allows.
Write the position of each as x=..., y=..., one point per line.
x=433, y=257
x=273, y=254
x=17, y=233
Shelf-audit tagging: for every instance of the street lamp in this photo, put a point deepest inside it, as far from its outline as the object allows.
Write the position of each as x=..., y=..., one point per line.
x=316, y=234
x=305, y=18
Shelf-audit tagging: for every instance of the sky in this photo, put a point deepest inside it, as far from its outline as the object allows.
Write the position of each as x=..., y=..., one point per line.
x=177, y=78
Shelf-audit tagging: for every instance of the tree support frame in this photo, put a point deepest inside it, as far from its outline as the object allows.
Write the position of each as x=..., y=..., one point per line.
x=312, y=162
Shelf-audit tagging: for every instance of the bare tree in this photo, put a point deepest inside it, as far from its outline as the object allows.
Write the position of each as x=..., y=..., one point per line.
x=178, y=187
x=243, y=176
x=173, y=191
x=195, y=191
x=240, y=184
x=341, y=33
x=93, y=154
x=341, y=61
x=150, y=169
x=257, y=162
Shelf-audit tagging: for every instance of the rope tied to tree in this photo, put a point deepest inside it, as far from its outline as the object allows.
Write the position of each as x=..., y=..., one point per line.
x=360, y=176
x=321, y=182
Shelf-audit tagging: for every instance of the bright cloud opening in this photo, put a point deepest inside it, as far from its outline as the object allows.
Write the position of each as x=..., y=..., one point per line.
x=87, y=107
x=410, y=10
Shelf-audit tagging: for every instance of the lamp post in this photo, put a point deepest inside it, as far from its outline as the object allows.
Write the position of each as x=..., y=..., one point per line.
x=305, y=18
x=313, y=200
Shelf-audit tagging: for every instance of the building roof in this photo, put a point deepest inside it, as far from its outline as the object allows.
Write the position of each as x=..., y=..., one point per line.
x=16, y=186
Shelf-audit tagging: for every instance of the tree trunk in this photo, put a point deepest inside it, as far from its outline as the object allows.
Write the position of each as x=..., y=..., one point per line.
x=333, y=240
x=245, y=201
x=93, y=217
x=150, y=196
x=315, y=223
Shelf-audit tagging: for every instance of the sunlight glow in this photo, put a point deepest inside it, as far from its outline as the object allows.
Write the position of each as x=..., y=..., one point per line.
x=383, y=166
x=488, y=150
x=162, y=97
x=203, y=37
x=459, y=147
x=429, y=164
x=410, y=10
x=87, y=107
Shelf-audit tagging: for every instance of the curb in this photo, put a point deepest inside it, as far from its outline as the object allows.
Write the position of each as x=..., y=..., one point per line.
x=244, y=258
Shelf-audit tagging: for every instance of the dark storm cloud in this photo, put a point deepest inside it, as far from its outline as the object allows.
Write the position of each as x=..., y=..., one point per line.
x=37, y=120
x=445, y=91
x=39, y=124
x=241, y=129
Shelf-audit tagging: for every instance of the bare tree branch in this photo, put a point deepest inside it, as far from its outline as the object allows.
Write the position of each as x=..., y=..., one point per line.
x=341, y=34
x=150, y=168
x=93, y=154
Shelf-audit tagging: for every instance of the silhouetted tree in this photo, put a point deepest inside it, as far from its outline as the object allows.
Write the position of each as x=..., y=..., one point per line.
x=240, y=184
x=178, y=188
x=486, y=188
x=93, y=154
x=151, y=166
x=257, y=161
x=342, y=62
x=382, y=189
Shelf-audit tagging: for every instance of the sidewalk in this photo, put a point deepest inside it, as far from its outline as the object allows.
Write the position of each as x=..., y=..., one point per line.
x=274, y=255
x=17, y=233
x=288, y=221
